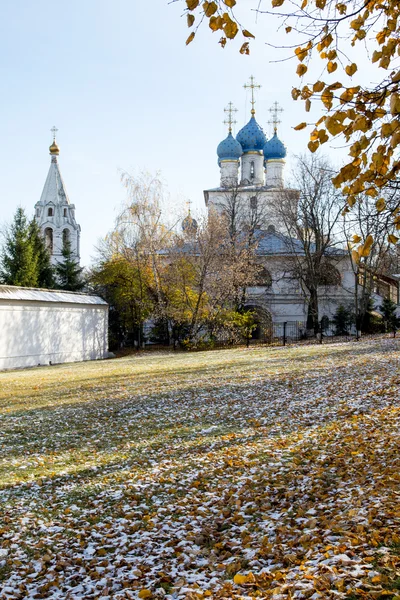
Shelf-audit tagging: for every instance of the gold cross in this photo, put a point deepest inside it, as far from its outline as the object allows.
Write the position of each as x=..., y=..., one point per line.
x=189, y=203
x=252, y=86
x=230, y=109
x=54, y=131
x=274, y=110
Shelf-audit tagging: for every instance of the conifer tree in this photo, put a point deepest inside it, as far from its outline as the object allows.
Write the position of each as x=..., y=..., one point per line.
x=68, y=272
x=45, y=271
x=18, y=261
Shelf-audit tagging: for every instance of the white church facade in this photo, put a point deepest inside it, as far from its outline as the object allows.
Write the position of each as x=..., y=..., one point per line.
x=252, y=171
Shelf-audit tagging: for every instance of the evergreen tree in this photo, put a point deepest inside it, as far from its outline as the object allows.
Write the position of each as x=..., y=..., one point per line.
x=45, y=276
x=342, y=320
x=388, y=310
x=69, y=273
x=18, y=261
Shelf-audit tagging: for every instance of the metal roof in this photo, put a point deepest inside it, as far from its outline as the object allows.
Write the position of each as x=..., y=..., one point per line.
x=12, y=292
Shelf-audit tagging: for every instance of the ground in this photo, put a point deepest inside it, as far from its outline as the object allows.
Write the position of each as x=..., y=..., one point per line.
x=227, y=474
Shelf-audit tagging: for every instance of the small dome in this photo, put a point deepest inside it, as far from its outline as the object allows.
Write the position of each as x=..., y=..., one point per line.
x=189, y=225
x=229, y=149
x=274, y=148
x=251, y=137
x=54, y=149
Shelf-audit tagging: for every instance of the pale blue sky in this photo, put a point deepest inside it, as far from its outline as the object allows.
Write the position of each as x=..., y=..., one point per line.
x=125, y=92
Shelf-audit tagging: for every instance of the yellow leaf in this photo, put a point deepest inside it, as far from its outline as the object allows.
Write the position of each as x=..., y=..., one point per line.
x=351, y=69
x=244, y=49
x=322, y=136
x=230, y=3
x=332, y=66
x=313, y=146
x=380, y=204
x=190, y=38
x=190, y=20
x=356, y=239
x=288, y=29
x=318, y=86
x=192, y=4
x=276, y=3
x=209, y=8
x=301, y=53
x=334, y=127
x=239, y=579
x=395, y=104
x=300, y=126
x=230, y=29
x=247, y=34
x=355, y=256
x=308, y=105
x=393, y=239
x=144, y=593
x=216, y=23
x=301, y=69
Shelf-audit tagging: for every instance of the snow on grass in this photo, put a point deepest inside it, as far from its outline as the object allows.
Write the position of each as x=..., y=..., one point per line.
x=230, y=474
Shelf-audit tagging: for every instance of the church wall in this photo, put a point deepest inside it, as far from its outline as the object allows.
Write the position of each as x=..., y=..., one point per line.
x=37, y=333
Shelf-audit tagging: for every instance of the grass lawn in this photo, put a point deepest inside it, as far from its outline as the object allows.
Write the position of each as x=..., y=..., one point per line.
x=230, y=474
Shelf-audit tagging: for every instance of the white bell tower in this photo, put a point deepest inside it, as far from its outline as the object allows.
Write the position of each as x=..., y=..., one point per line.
x=55, y=214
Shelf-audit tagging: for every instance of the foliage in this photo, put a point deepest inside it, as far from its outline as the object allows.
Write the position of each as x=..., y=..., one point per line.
x=45, y=278
x=343, y=320
x=389, y=313
x=236, y=473
x=68, y=272
x=367, y=117
x=19, y=261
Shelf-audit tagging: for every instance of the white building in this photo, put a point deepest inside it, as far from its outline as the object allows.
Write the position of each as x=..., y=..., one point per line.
x=42, y=327
x=55, y=214
x=252, y=172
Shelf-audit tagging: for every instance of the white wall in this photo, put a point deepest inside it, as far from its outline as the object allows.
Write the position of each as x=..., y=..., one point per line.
x=37, y=333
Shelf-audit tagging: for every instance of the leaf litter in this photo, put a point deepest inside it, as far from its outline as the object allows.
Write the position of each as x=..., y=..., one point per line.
x=229, y=474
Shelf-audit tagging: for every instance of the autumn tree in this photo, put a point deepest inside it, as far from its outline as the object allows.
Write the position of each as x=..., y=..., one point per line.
x=310, y=220
x=366, y=117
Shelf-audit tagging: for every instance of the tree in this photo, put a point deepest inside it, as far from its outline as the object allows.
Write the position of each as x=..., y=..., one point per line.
x=45, y=271
x=68, y=272
x=367, y=117
x=19, y=262
x=342, y=320
x=310, y=220
x=366, y=231
x=389, y=313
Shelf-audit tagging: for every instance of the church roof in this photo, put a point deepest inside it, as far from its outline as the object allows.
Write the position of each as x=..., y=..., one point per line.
x=273, y=243
x=54, y=188
x=229, y=149
x=274, y=148
x=251, y=137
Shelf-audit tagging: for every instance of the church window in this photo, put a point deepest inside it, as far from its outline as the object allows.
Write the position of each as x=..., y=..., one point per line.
x=252, y=172
x=65, y=237
x=65, y=212
x=48, y=236
x=50, y=212
x=37, y=212
x=263, y=277
x=253, y=203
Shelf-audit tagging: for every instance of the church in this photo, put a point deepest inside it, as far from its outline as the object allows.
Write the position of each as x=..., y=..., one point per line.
x=55, y=214
x=252, y=176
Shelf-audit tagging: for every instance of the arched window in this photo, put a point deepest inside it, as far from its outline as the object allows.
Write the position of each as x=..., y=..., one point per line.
x=65, y=212
x=253, y=203
x=252, y=172
x=66, y=237
x=50, y=212
x=329, y=274
x=263, y=277
x=48, y=236
x=37, y=212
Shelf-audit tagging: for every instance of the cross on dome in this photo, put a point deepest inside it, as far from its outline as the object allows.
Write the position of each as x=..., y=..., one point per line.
x=229, y=110
x=252, y=86
x=275, y=110
x=54, y=131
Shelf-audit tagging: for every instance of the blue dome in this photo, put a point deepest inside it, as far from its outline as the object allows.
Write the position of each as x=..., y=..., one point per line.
x=274, y=148
x=229, y=149
x=251, y=136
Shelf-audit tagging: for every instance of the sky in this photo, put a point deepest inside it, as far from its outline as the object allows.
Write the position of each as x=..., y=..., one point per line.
x=127, y=95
